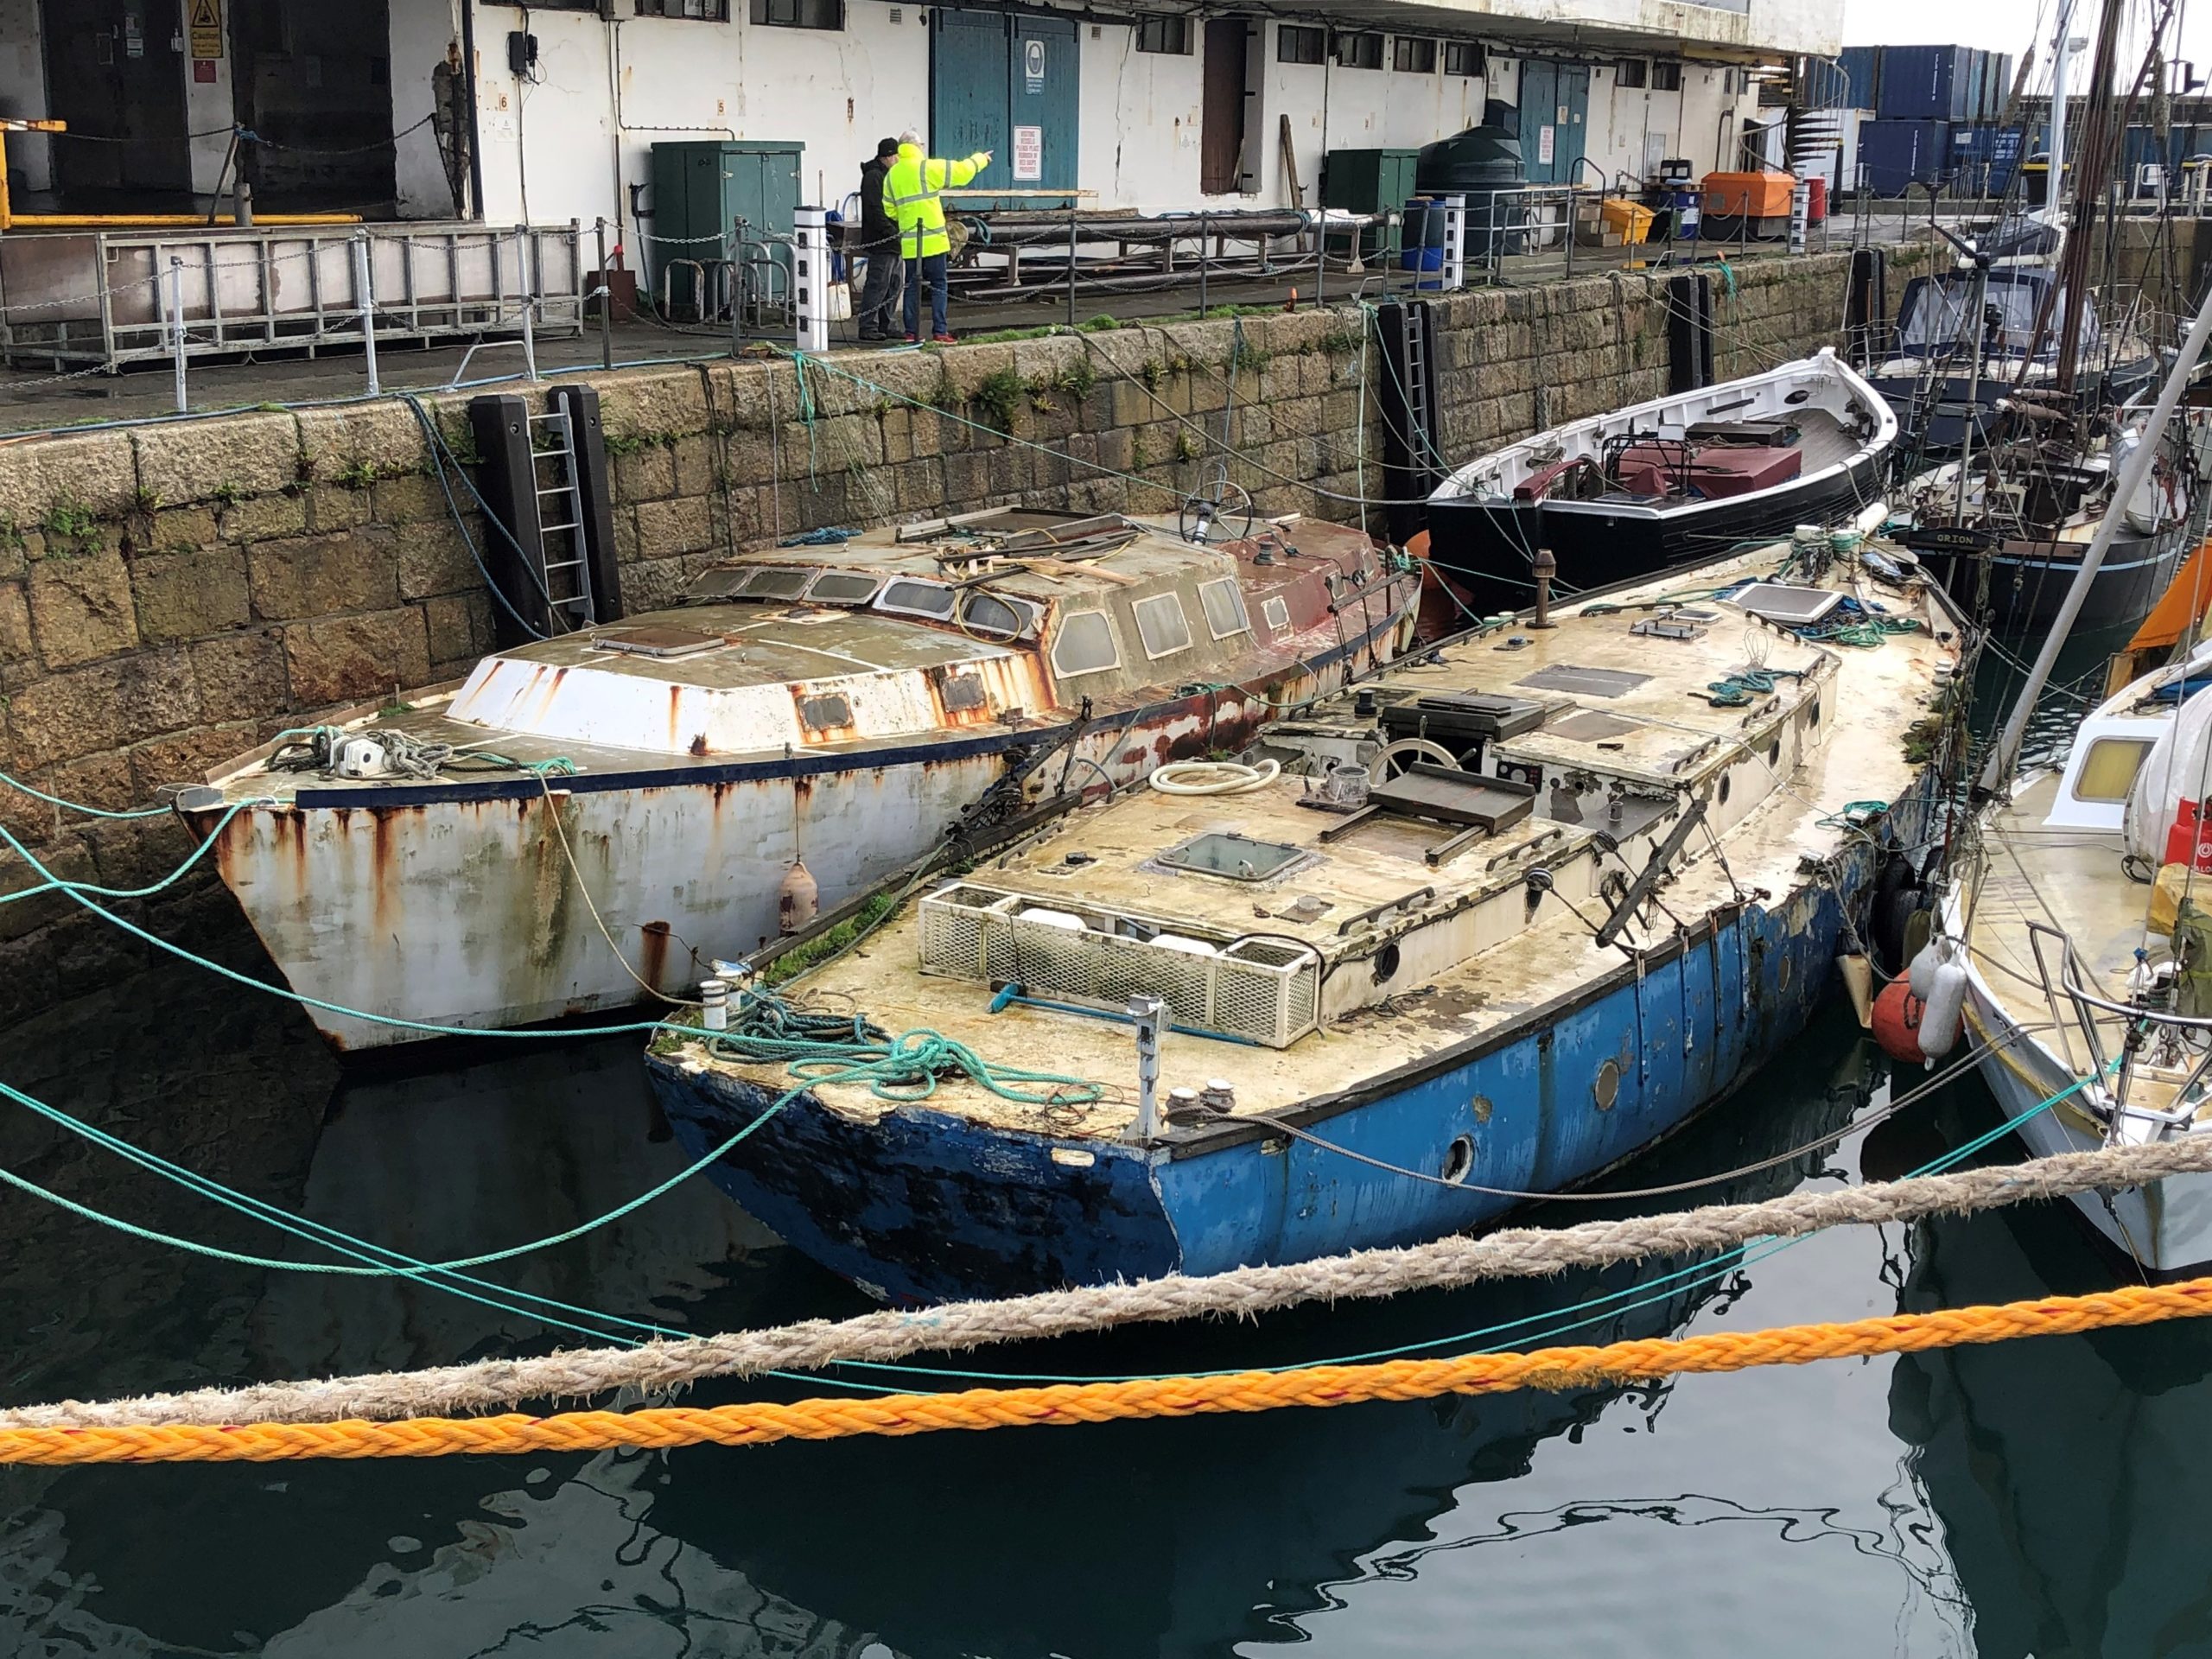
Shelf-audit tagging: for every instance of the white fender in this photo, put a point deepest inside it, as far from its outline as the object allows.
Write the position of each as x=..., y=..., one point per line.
x=1946, y=1001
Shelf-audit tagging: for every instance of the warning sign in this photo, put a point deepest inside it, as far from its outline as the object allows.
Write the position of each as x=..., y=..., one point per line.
x=1028, y=155
x=1545, y=142
x=1033, y=66
x=206, y=29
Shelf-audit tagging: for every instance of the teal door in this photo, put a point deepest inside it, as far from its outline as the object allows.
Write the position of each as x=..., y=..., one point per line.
x=1554, y=120
x=1005, y=82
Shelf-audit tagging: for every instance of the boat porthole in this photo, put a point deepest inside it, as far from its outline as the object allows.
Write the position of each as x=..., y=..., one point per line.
x=1386, y=964
x=1608, y=1088
x=1774, y=752
x=1723, y=788
x=1781, y=974
x=1459, y=1160
x=1480, y=1107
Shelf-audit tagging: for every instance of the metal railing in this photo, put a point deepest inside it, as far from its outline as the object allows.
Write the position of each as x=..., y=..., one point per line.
x=110, y=298
x=2150, y=1034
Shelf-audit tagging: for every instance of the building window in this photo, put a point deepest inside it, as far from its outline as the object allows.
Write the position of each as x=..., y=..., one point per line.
x=1163, y=34
x=1666, y=77
x=1295, y=43
x=709, y=11
x=1463, y=58
x=1629, y=71
x=800, y=14
x=1413, y=56
x=1359, y=51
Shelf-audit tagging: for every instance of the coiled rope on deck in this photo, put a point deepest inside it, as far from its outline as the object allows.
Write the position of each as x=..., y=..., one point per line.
x=817, y=1345
x=758, y=1423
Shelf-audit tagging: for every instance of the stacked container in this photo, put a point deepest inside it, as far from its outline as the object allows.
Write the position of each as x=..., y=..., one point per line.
x=1927, y=83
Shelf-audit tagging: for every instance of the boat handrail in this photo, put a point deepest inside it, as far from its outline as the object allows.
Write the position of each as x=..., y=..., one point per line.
x=2088, y=1004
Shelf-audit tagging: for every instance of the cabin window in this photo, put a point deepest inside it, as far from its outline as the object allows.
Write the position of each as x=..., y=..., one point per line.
x=1162, y=624
x=1084, y=644
x=988, y=614
x=843, y=588
x=919, y=598
x=776, y=584
x=1277, y=613
x=2109, y=768
x=1224, y=608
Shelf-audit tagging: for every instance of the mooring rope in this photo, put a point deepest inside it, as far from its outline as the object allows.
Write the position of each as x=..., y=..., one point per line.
x=816, y=1344
x=758, y=1423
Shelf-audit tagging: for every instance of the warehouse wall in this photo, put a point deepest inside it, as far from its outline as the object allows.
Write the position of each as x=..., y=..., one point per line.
x=172, y=595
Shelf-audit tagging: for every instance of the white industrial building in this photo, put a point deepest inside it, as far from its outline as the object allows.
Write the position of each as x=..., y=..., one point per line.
x=1147, y=110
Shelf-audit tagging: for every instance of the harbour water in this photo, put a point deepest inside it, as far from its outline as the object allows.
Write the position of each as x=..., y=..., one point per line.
x=2011, y=1500
x=2026, y=1498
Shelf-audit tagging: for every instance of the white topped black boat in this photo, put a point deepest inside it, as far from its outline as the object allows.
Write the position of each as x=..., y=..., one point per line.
x=1688, y=477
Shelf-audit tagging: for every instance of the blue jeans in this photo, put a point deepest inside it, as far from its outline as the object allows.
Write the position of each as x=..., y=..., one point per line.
x=929, y=269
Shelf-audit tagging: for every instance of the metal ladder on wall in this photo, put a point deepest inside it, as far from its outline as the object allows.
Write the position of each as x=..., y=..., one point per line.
x=1420, y=419
x=565, y=580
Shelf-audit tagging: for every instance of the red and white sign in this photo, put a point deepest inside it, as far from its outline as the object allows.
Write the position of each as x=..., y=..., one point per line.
x=1028, y=155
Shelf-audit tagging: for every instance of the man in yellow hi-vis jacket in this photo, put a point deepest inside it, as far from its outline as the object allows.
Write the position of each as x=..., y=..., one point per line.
x=911, y=196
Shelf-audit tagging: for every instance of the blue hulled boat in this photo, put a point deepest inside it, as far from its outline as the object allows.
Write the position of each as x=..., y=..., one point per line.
x=1502, y=920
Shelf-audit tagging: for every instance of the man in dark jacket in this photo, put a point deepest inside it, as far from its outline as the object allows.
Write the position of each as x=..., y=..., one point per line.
x=879, y=244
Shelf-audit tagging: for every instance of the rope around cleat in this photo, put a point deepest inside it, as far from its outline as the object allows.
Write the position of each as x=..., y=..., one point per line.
x=761, y=1423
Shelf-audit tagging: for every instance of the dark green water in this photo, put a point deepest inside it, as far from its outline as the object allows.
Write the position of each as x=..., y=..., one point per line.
x=2034, y=1498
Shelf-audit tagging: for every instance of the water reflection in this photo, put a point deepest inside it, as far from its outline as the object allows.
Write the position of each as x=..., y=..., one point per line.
x=1931, y=1505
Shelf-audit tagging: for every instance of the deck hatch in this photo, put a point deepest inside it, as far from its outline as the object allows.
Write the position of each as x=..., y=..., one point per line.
x=1792, y=606
x=1265, y=990
x=1240, y=858
x=1586, y=682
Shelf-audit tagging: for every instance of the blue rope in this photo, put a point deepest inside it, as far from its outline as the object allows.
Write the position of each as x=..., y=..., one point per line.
x=79, y=806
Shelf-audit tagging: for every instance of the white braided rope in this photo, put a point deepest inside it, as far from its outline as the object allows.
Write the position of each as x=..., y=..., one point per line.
x=1521, y=1252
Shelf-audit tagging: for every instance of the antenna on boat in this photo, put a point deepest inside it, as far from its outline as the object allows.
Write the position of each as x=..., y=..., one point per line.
x=2132, y=472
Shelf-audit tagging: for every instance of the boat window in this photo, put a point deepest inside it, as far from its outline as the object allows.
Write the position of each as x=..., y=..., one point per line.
x=1224, y=608
x=1276, y=612
x=843, y=588
x=1084, y=644
x=989, y=613
x=1162, y=624
x=775, y=582
x=1934, y=315
x=2109, y=768
x=918, y=599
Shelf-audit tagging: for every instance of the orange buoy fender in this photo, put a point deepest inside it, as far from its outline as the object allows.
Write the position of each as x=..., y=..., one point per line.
x=1897, y=1021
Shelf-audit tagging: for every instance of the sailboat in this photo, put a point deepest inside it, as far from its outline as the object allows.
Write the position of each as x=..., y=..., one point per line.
x=2057, y=403
x=2078, y=919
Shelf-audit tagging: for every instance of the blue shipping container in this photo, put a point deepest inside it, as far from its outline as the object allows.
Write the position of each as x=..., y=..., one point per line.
x=1926, y=83
x=1862, y=72
x=1894, y=154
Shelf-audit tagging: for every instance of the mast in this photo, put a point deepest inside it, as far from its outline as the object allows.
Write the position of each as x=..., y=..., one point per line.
x=2099, y=151
x=2061, y=49
x=2132, y=471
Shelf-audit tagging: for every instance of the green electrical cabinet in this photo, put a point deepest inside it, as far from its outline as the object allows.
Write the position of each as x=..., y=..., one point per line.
x=1368, y=182
x=702, y=187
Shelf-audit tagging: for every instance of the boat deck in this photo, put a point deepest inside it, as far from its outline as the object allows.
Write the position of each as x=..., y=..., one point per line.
x=2070, y=881
x=1774, y=774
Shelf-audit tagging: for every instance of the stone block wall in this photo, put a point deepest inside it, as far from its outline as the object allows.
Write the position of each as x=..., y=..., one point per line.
x=172, y=594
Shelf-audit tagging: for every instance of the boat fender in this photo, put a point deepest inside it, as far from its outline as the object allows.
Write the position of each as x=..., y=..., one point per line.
x=1859, y=981
x=1946, y=1006
x=1932, y=955
x=797, y=898
x=1897, y=1021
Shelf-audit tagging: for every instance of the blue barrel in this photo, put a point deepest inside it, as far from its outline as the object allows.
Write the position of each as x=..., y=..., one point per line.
x=1688, y=203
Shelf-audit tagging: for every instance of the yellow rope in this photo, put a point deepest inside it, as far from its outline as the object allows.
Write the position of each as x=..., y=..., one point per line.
x=829, y=1419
